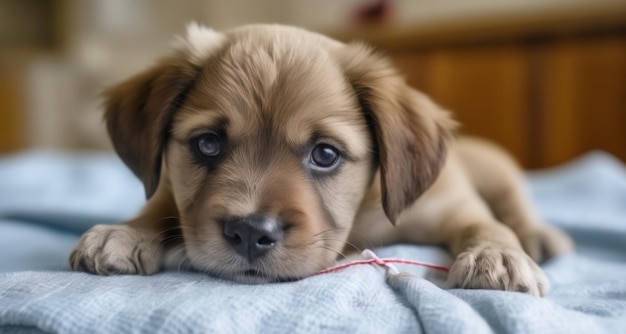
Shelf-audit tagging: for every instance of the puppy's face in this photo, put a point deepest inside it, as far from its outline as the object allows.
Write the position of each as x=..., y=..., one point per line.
x=269, y=159
x=269, y=138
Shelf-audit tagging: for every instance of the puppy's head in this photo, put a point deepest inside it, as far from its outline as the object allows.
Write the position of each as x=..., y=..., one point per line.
x=268, y=137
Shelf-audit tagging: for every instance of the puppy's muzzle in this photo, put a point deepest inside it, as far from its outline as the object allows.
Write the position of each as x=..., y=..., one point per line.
x=252, y=236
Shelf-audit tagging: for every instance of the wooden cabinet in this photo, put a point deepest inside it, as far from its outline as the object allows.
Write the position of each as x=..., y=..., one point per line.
x=583, y=96
x=485, y=88
x=547, y=88
x=12, y=120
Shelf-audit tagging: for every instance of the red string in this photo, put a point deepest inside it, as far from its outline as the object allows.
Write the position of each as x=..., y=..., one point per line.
x=382, y=262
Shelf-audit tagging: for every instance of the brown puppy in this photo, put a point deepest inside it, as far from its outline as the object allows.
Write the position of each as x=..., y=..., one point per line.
x=267, y=150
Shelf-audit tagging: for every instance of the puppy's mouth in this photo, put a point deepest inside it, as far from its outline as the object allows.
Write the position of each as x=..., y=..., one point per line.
x=256, y=276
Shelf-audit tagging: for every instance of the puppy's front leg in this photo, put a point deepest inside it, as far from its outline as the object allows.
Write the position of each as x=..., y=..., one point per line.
x=489, y=256
x=135, y=247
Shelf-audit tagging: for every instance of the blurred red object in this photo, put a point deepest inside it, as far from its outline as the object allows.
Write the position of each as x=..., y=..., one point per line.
x=373, y=12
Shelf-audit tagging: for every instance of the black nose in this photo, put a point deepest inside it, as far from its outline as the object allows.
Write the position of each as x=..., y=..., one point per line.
x=252, y=236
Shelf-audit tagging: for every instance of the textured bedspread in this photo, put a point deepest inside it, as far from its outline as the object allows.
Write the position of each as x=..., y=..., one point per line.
x=41, y=218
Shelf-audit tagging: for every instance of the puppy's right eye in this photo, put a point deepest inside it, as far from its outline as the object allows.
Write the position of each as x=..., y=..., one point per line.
x=208, y=145
x=324, y=155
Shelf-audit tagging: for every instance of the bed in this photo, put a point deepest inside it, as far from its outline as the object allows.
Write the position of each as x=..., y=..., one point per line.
x=47, y=199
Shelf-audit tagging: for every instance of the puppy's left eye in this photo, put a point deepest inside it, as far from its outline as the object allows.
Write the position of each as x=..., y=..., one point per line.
x=208, y=145
x=325, y=156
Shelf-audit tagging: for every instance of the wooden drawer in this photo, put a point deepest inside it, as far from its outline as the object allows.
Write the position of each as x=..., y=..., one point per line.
x=12, y=109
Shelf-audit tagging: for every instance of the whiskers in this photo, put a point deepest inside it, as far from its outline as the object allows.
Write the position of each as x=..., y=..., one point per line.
x=364, y=243
x=205, y=251
x=171, y=245
x=331, y=235
x=340, y=254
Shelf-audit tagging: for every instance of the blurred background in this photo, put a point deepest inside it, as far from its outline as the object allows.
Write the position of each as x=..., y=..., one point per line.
x=544, y=78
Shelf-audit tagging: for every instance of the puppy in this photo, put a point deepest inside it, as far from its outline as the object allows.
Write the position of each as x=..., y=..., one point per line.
x=267, y=151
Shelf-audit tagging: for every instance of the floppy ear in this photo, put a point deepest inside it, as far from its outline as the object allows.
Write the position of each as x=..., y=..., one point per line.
x=411, y=132
x=138, y=112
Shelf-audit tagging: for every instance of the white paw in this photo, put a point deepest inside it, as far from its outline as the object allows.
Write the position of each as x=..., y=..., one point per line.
x=116, y=250
x=499, y=268
x=545, y=242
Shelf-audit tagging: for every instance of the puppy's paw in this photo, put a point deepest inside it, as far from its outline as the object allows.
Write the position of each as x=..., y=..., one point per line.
x=545, y=242
x=499, y=268
x=116, y=250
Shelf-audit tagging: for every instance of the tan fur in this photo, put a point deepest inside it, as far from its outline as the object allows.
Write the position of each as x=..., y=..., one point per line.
x=273, y=93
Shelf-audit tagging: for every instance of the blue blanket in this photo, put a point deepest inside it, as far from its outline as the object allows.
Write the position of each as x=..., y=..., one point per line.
x=47, y=199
